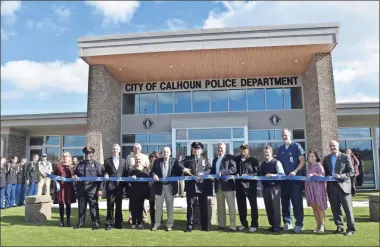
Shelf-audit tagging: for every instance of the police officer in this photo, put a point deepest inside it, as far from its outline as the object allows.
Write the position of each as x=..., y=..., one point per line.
x=247, y=165
x=88, y=191
x=200, y=189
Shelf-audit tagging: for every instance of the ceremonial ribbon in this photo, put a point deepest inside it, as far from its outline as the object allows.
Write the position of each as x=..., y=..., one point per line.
x=201, y=177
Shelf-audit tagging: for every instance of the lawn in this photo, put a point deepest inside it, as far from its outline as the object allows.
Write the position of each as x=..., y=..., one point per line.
x=14, y=232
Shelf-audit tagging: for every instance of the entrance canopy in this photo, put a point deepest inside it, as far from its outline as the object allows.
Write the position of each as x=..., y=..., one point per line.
x=210, y=53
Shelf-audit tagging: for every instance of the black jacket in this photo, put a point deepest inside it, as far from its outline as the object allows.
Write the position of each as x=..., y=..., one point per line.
x=12, y=170
x=21, y=173
x=175, y=169
x=89, y=168
x=139, y=189
x=32, y=172
x=227, y=167
x=248, y=167
x=110, y=169
x=3, y=176
x=204, y=186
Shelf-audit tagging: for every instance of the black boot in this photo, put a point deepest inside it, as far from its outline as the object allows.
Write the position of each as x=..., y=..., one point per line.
x=68, y=214
x=61, y=215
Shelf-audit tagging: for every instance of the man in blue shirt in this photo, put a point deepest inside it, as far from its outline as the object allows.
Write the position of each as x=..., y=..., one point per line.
x=291, y=156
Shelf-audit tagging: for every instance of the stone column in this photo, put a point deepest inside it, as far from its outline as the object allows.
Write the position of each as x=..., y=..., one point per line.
x=14, y=145
x=320, y=104
x=103, y=111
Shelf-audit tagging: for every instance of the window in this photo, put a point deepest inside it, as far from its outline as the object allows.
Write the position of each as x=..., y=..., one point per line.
x=126, y=150
x=160, y=138
x=135, y=138
x=181, y=149
x=201, y=101
x=165, y=102
x=219, y=100
x=36, y=140
x=274, y=99
x=238, y=100
x=293, y=98
x=256, y=99
x=181, y=134
x=344, y=133
x=238, y=132
x=148, y=103
x=149, y=142
x=130, y=104
x=254, y=135
x=182, y=102
x=75, y=153
x=74, y=141
x=53, y=154
x=236, y=147
x=52, y=140
x=256, y=149
x=215, y=133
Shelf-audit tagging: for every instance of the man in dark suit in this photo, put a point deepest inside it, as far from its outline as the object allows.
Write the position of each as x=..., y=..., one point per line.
x=115, y=166
x=249, y=166
x=224, y=165
x=199, y=189
x=339, y=165
x=162, y=168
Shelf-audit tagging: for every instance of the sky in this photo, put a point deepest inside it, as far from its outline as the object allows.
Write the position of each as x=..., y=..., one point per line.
x=41, y=71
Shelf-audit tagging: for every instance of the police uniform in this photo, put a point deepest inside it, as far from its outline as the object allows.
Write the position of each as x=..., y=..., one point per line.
x=197, y=190
x=247, y=188
x=10, y=193
x=3, y=185
x=87, y=191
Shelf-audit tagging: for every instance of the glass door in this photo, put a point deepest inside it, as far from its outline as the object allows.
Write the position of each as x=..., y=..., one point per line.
x=213, y=147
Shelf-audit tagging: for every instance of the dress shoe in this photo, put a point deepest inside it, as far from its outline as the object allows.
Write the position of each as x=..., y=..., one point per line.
x=68, y=223
x=119, y=226
x=276, y=229
x=78, y=226
x=349, y=233
x=169, y=229
x=62, y=224
x=154, y=228
x=231, y=230
x=189, y=229
x=108, y=228
x=221, y=228
x=339, y=230
x=95, y=227
x=206, y=229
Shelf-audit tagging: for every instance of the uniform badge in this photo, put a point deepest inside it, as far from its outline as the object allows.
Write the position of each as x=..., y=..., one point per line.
x=92, y=165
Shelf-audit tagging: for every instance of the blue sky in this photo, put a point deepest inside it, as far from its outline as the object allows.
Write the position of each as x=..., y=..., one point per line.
x=41, y=71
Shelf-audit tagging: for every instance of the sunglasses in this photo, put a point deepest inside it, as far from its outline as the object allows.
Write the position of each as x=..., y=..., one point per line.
x=44, y=156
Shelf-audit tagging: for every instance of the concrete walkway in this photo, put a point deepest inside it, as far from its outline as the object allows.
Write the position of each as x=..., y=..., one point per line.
x=181, y=203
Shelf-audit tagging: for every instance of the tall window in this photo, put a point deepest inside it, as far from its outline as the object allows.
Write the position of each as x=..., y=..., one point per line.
x=149, y=142
x=74, y=145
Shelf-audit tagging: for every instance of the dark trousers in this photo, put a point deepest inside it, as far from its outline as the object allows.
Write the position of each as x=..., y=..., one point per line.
x=20, y=194
x=202, y=200
x=241, y=199
x=114, y=200
x=32, y=189
x=137, y=208
x=353, y=185
x=291, y=191
x=2, y=197
x=338, y=198
x=10, y=195
x=87, y=195
x=62, y=211
x=272, y=197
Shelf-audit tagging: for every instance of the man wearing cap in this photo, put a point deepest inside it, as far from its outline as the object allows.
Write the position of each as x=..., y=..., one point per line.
x=199, y=189
x=88, y=191
x=45, y=167
x=247, y=166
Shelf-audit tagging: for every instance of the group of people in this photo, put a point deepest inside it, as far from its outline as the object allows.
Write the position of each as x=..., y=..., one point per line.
x=278, y=195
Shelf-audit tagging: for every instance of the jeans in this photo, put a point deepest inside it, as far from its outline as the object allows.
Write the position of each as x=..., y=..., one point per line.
x=10, y=195
x=20, y=194
x=291, y=191
x=32, y=189
x=2, y=197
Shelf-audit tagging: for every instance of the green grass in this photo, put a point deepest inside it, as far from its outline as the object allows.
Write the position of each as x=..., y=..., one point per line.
x=363, y=195
x=14, y=232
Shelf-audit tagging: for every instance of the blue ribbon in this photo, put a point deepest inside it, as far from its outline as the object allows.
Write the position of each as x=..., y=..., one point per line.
x=207, y=176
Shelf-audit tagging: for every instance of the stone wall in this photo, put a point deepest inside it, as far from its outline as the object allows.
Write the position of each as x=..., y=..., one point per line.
x=103, y=111
x=320, y=107
x=14, y=145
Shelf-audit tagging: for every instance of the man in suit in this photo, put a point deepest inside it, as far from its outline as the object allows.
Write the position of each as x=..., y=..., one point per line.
x=199, y=189
x=339, y=165
x=224, y=165
x=162, y=168
x=115, y=166
x=249, y=166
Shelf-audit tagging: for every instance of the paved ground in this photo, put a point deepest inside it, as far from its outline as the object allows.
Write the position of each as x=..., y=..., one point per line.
x=181, y=203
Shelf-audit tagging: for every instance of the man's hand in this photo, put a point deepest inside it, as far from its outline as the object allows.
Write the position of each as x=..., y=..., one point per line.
x=268, y=175
x=155, y=178
x=100, y=193
x=75, y=177
x=293, y=173
x=134, y=177
x=337, y=176
x=187, y=171
x=106, y=176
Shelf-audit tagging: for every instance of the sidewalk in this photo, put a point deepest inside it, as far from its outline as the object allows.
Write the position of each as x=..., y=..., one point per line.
x=181, y=203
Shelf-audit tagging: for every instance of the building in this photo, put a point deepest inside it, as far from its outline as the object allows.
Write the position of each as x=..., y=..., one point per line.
x=236, y=85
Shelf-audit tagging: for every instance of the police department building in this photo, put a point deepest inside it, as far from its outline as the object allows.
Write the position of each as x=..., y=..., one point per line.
x=232, y=85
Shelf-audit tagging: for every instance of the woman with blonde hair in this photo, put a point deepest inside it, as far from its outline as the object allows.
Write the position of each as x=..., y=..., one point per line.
x=355, y=163
x=66, y=194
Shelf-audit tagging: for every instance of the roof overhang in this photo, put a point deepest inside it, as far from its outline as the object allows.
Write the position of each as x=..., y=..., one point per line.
x=210, y=53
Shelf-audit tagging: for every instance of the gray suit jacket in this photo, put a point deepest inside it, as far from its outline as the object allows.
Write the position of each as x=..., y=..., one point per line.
x=343, y=167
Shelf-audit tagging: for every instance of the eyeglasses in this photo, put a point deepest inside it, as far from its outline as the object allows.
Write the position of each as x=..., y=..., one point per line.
x=44, y=156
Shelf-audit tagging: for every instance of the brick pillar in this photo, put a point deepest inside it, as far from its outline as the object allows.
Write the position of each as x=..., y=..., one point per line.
x=14, y=145
x=320, y=105
x=103, y=111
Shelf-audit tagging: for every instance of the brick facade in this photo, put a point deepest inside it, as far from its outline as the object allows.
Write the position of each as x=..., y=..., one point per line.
x=103, y=111
x=14, y=145
x=320, y=107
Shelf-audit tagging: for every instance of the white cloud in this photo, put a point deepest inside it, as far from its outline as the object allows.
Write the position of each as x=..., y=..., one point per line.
x=9, y=8
x=5, y=34
x=356, y=57
x=62, y=13
x=176, y=24
x=12, y=95
x=45, y=78
x=115, y=12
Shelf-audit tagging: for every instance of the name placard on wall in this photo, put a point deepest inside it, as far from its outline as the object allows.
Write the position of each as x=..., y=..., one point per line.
x=228, y=83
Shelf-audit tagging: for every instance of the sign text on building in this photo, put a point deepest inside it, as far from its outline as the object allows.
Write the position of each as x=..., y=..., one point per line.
x=228, y=83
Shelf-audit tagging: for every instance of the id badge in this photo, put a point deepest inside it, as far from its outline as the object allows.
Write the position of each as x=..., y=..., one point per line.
x=291, y=158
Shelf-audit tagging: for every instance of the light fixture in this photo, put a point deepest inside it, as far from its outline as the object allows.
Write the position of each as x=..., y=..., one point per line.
x=171, y=66
x=243, y=62
x=120, y=69
x=296, y=61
